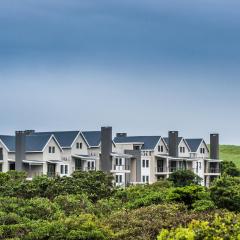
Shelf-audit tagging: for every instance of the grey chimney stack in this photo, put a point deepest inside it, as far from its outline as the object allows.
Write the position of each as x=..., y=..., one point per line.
x=173, y=143
x=214, y=146
x=106, y=149
x=20, y=149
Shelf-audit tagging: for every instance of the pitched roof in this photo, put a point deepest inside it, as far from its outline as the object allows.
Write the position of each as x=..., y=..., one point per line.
x=9, y=142
x=93, y=138
x=194, y=143
x=34, y=143
x=166, y=139
x=65, y=138
x=149, y=142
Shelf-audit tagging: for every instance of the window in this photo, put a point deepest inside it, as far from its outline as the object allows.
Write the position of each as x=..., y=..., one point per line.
x=0, y=167
x=182, y=149
x=162, y=149
x=80, y=145
x=159, y=148
x=1, y=154
x=119, y=161
x=143, y=163
x=64, y=169
x=51, y=149
x=145, y=179
x=147, y=163
x=202, y=150
x=118, y=178
x=77, y=145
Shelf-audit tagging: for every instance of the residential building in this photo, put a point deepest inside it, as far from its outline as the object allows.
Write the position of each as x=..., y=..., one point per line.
x=131, y=159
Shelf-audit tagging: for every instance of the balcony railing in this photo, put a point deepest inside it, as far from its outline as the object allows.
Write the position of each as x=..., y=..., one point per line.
x=172, y=169
x=121, y=167
x=213, y=170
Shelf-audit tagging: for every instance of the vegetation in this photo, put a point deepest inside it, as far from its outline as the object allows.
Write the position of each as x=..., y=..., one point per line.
x=230, y=153
x=87, y=206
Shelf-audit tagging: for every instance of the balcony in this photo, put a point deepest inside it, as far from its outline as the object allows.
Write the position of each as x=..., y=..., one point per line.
x=165, y=170
x=161, y=170
x=121, y=168
x=213, y=170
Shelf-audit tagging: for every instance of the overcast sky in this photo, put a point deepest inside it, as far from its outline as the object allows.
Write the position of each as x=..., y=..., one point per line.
x=144, y=67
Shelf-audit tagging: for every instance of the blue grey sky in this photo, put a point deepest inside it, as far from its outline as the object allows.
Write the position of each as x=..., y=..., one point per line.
x=144, y=67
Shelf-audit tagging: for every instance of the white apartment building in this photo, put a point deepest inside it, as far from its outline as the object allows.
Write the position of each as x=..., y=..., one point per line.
x=131, y=159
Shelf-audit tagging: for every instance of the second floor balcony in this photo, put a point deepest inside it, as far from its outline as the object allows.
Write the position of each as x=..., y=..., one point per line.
x=120, y=168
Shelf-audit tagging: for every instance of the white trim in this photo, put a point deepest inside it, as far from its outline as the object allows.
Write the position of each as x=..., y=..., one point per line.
x=88, y=157
x=4, y=145
x=85, y=139
x=121, y=155
x=50, y=138
x=33, y=162
x=183, y=139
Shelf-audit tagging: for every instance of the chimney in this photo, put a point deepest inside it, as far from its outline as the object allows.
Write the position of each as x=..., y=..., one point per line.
x=214, y=146
x=106, y=149
x=20, y=149
x=121, y=135
x=29, y=132
x=173, y=143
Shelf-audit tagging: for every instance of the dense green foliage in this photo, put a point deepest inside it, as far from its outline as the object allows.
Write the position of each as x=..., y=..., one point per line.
x=230, y=168
x=87, y=206
x=183, y=178
x=225, y=227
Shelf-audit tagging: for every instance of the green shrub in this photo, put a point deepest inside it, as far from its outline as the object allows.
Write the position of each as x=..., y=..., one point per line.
x=183, y=178
x=227, y=227
x=225, y=192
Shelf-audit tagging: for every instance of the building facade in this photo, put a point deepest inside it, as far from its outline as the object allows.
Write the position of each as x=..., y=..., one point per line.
x=131, y=159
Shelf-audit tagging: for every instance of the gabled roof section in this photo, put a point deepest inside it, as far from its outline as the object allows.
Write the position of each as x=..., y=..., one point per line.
x=64, y=138
x=93, y=138
x=34, y=143
x=167, y=140
x=194, y=143
x=9, y=142
x=149, y=142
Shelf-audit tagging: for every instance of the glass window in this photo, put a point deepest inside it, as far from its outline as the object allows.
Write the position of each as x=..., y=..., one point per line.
x=143, y=179
x=80, y=145
x=147, y=163
x=1, y=154
x=77, y=145
x=161, y=148
x=53, y=149
x=50, y=149
x=143, y=163
x=62, y=169
x=66, y=169
x=147, y=179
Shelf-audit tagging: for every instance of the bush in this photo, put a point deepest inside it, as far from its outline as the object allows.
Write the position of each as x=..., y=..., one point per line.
x=227, y=227
x=225, y=192
x=183, y=178
x=230, y=168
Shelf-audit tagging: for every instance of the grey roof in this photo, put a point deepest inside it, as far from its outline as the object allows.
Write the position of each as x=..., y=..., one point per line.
x=150, y=142
x=194, y=143
x=9, y=142
x=167, y=140
x=93, y=138
x=64, y=138
x=33, y=142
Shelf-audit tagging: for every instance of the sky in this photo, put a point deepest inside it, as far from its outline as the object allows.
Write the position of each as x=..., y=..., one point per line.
x=142, y=67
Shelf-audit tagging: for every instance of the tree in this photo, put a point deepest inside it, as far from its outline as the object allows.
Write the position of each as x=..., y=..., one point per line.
x=225, y=192
x=230, y=168
x=183, y=178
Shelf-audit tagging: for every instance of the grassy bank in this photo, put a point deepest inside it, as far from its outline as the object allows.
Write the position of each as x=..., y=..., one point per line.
x=230, y=153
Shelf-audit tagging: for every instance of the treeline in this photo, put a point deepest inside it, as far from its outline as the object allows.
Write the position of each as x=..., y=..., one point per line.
x=87, y=206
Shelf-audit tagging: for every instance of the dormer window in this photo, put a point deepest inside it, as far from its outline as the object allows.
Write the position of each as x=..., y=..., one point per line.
x=79, y=145
x=202, y=150
x=160, y=148
x=182, y=149
x=51, y=149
